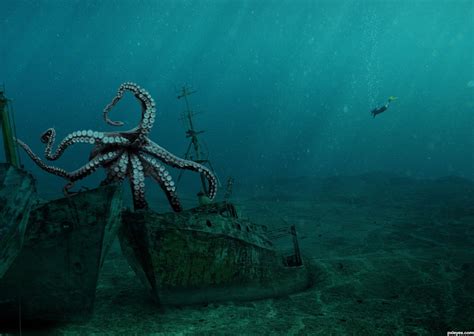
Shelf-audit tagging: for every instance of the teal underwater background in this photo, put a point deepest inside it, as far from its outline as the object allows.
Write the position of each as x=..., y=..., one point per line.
x=285, y=87
x=383, y=207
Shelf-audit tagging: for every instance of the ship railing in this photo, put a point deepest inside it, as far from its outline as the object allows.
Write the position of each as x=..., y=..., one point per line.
x=283, y=237
x=286, y=239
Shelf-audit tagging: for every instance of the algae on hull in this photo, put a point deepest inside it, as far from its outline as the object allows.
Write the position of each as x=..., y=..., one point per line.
x=207, y=254
x=55, y=275
x=17, y=189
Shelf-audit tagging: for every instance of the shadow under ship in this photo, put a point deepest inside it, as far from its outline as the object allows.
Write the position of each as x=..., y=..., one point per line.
x=208, y=254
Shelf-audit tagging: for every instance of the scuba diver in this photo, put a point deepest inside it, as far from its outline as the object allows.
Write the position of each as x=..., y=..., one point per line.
x=383, y=108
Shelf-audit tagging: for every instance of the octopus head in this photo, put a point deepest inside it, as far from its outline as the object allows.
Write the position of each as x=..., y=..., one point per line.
x=46, y=136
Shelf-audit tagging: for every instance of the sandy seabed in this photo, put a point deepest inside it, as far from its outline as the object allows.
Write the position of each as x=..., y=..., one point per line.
x=392, y=255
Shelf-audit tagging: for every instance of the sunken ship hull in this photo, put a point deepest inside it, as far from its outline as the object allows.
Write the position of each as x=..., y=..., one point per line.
x=54, y=276
x=17, y=190
x=206, y=255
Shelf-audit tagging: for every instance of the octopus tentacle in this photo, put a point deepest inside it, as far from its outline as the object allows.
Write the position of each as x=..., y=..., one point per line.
x=90, y=167
x=147, y=104
x=171, y=196
x=93, y=164
x=117, y=171
x=137, y=183
x=83, y=136
x=50, y=169
x=77, y=174
x=123, y=154
x=174, y=161
x=162, y=176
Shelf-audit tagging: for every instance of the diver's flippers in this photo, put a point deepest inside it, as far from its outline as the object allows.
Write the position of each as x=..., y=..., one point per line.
x=392, y=98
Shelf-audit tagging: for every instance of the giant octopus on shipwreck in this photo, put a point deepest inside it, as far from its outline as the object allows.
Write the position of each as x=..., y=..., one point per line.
x=125, y=154
x=199, y=255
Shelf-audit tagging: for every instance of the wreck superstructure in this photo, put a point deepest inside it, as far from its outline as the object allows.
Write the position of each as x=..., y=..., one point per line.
x=7, y=123
x=194, y=151
x=17, y=190
x=208, y=253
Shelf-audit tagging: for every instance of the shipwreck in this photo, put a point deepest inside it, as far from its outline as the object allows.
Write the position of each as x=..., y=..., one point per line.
x=52, y=251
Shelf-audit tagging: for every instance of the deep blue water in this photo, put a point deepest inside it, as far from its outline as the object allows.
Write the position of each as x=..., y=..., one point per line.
x=285, y=87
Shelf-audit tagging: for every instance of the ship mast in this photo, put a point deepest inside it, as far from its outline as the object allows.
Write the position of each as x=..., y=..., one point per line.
x=8, y=131
x=194, y=151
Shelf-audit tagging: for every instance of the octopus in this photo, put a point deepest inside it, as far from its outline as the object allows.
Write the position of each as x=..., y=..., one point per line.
x=129, y=154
